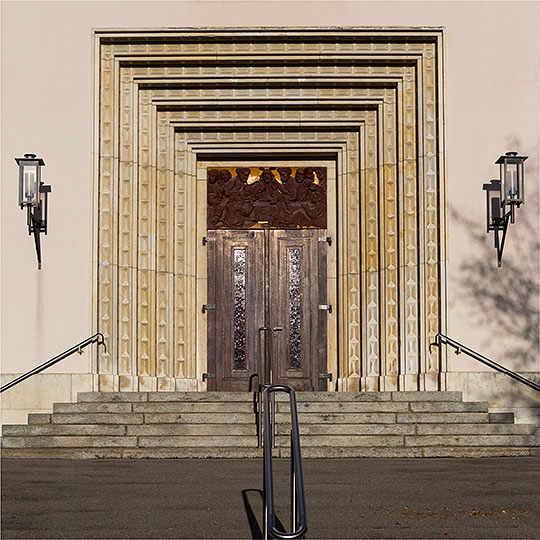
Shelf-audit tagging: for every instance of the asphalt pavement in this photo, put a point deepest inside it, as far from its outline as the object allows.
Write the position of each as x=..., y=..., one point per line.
x=489, y=498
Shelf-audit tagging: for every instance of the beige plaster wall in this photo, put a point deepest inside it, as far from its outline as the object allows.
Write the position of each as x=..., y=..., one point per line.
x=492, y=91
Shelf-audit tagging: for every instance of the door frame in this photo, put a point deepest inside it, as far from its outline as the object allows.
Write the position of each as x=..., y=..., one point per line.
x=331, y=257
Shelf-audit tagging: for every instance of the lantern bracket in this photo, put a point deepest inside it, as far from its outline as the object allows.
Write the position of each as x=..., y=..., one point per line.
x=503, y=196
x=37, y=219
x=34, y=195
x=502, y=227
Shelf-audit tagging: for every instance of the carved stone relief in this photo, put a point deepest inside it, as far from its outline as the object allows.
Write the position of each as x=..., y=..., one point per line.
x=270, y=197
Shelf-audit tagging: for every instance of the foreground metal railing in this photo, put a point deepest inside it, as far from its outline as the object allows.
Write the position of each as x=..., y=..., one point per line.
x=298, y=502
x=96, y=338
x=264, y=376
x=460, y=348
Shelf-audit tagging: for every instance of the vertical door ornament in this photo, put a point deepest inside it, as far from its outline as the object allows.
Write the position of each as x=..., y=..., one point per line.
x=294, y=308
x=239, y=309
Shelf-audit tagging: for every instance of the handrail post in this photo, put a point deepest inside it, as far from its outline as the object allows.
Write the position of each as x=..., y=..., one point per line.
x=266, y=377
x=298, y=509
x=293, y=489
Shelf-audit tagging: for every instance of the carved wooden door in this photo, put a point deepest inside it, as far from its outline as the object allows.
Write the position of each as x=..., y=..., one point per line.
x=273, y=279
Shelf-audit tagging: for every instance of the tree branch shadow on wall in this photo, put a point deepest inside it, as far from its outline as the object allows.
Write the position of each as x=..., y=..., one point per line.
x=505, y=300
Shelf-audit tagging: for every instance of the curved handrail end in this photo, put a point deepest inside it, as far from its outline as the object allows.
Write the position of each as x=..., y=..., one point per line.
x=101, y=340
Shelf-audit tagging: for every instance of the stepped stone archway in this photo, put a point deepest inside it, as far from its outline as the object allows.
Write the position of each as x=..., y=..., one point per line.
x=367, y=102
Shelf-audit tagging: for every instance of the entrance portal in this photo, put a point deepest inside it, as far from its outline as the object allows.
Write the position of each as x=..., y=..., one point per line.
x=267, y=277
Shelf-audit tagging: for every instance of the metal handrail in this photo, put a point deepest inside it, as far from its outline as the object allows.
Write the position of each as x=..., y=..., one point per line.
x=96, y=338
x=264, y=378
x=298, y=501
x=459, y=348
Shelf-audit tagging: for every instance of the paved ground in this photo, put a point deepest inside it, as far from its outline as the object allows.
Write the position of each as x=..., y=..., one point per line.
x=351, y=498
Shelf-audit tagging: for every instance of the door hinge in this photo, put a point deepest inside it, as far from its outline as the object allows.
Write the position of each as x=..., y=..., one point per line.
x=328, y=376
x=327, y=239
x=206, y=376
x=206, y=307
x=207, y=239
x=327, y=307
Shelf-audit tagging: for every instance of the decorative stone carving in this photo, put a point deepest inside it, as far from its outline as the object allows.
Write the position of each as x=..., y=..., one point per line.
x=271, y=197
x=154, y=115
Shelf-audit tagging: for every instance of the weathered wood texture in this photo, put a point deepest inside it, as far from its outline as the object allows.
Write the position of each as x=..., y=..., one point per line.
x=279, y=283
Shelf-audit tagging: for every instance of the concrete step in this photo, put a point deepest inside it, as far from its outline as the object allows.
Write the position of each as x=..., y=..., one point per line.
x=128, y=430
x=475, y=429
x=201, y=429
x=212, y=424
x=250, y=452
x=154, y=407
x=472, y=440
x=39, y=418
x=138, y=397
x=380, y=407
x=443, y=418
x=97, y=418
x=169, y=397
x=409, y=429
x=35, y=430
x=198, y=430
x=501, y=417
x=195, y=441
x=61, y=441
x=246, y=418
x=412, y=440
x=372, y=396
x=348, y=429
x=339, y=418
x=432, y=452
x=129, y=453
x=130, y=442
x=199, y=418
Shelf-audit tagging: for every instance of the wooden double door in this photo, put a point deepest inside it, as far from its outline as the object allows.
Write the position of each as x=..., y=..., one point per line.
x=267, y=308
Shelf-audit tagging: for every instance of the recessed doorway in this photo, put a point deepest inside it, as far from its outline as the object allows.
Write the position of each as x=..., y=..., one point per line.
x=267, y=259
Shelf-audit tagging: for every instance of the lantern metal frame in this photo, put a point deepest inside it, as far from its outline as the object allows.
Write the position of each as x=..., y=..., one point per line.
x=501, y=201
x=37, y=208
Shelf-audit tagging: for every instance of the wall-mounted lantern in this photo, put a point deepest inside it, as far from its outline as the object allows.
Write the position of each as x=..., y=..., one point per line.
x=33, y=194
x=503, y=196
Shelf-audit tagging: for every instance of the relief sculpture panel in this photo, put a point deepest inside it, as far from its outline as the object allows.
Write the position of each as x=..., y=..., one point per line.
x=269, y=197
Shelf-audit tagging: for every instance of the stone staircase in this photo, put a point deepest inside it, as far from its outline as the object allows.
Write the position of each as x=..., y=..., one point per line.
x=221, y=425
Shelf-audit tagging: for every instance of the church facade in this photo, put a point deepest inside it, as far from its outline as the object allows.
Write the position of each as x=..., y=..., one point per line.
x=284, y=194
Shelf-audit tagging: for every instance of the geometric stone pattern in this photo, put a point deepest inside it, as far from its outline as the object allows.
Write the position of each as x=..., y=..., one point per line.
x=167, y=100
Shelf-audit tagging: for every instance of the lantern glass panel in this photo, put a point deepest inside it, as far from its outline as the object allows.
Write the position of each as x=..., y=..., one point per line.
x=512, y=181
x=29, y=181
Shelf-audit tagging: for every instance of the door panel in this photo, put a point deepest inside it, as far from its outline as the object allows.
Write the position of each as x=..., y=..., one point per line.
x=236, y=289
x=267, y=278
x=294, y=295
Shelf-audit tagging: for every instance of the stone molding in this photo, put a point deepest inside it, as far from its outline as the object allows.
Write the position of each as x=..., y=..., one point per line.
x=371, y=98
